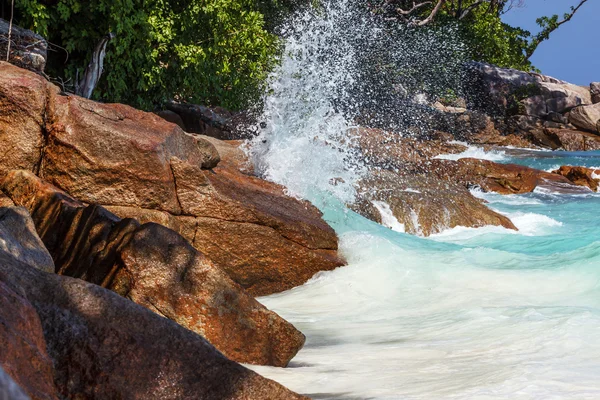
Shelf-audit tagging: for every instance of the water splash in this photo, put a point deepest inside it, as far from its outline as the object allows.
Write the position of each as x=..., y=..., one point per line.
x=343, y=66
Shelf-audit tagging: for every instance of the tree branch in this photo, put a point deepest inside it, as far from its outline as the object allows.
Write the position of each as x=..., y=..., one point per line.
x=433, y=13
x=414, y=7
x=12, y=11
x=549, y=25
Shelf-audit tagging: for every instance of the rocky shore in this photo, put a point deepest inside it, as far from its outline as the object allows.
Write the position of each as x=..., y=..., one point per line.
x=133, y=243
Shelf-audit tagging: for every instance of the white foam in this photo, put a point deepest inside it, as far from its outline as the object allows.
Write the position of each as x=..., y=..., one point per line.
x=475, y=152
x=387, y=216
x=464, y=324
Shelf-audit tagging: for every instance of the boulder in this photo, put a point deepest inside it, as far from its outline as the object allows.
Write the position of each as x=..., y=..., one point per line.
x=19, y=238
x=265, y=241
x=423, y=205
x=163, y=272
x=23, y=356
x=582, y=176
x=595, y=91
x=27, y=50
x=128, y=161
x=500, y=178
x=586, y=117
x=22, y=110
x=572, y=140
x=157, y=268
x=104, y=346
x=9, y=390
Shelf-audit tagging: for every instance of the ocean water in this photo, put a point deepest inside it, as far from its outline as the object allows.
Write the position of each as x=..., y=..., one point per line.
x=467, y=314
x=484, y=313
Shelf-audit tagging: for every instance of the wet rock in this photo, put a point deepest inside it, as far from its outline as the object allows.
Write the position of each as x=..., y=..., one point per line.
x=582, y=176
x=586, y=117
x=106, y=347
x=23, y=356
x=9, y=390
x=500, y=178
x=423, y=204
x=157, y=268
x=28, y=49
x=22, y=108
x=19, y=238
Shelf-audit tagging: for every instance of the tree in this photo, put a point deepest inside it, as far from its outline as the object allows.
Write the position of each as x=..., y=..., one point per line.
x=215, y=52
x=490, y=39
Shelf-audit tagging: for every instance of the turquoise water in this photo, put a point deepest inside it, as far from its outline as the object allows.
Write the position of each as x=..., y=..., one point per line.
x=468, y=314
x=482, y=313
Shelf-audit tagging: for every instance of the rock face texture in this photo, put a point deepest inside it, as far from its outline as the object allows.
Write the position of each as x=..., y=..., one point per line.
x=23, y=354
x=20, y=239
x=595, y=90
x=103, y=346
x=139, y=164
x=157, y=268
x=424, y=206
x=586, y=117
x=501, y=178
x=129, y=162
x=582, y=176
x=22, y=108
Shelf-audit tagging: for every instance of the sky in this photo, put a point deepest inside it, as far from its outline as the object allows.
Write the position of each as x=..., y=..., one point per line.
x=573, y=51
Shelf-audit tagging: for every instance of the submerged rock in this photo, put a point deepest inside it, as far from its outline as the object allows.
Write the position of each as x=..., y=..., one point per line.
x=156, y=268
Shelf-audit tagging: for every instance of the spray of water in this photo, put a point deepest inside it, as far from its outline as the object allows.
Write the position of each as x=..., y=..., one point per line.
x=343, y=66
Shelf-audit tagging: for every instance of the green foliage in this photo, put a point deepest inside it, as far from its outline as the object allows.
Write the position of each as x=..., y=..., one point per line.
x=490, y=40
x=215, y=52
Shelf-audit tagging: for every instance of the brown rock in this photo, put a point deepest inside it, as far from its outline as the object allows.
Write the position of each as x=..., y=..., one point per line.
x=423, y=204
x=500, y=178
x=157, y=268
x=266, y=241
x=582, y=176
x=128, y=161
x=586, y=117
x=106, y=347
x=23, y=354
x=164, y=273
x=574, y=140
x=22, y=108
x=5, y=201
